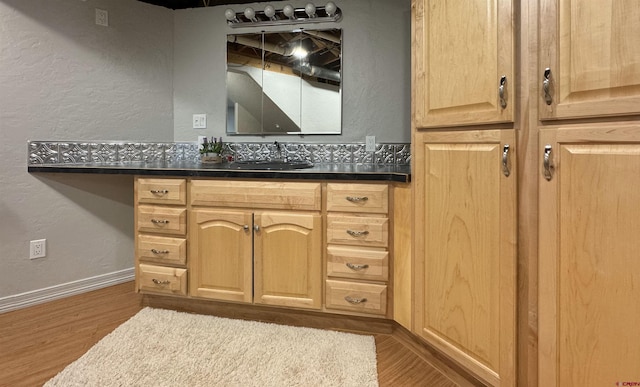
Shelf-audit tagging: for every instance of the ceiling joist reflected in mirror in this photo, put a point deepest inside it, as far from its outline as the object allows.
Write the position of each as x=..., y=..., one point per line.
x=284, y=82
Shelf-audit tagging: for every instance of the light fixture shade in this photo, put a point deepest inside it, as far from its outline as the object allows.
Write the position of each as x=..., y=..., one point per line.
x=230, y=14
x=288, y=11
x=310, y=9
x=250, y=14
x=331, y=8
x=272, y=16
x=269, y=11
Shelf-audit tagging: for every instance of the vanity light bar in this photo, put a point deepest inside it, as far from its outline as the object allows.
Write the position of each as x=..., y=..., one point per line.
x=287, y=15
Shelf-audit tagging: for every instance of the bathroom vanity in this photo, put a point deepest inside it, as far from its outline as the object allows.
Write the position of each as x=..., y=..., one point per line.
x=321, y=239
x=318, y=245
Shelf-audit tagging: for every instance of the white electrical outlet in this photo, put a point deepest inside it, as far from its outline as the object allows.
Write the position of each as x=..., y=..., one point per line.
x=199, y=121
x=38, y=249
x=102, y=17
x=370, y=144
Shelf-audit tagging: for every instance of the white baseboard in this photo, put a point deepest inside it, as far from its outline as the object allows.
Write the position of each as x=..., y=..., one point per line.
x=34, y=297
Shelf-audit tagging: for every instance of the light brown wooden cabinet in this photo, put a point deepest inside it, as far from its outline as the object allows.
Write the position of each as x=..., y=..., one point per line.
x=465, y=248
x=313, y=245
x=288, y=259
x=588, y=176
x=576, y=309
x=161, y=235
x=463, y=62
x=357, y=236
x=590, y=49
x=242, y=253
x=464, y=184
x=588, y=255
x=222, y=254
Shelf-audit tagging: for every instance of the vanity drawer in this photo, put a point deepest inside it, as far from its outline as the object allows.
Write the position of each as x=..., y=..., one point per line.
x=162, y=279
x=358, y=230
x=250, y=194
x=356, y=297
x=162, y=191
x=362, y=198
x=162, y=220
x=358, y=263
x=162, y=249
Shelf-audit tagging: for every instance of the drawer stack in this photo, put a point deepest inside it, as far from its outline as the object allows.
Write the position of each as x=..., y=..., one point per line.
x=357, y=247
x=161, y=235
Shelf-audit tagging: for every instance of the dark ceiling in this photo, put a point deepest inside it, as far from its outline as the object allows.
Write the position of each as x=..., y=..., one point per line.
x=182, y=4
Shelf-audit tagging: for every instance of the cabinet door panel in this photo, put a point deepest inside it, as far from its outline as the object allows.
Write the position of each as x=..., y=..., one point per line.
x=591, y=47
x=589, y=266
x=288, y=259
x=465, y=249
x=220, y=251
x=461, y=49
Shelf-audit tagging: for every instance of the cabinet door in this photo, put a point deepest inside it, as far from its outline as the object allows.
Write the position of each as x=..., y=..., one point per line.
x=589, y=269
x=591, y=49
x=461, y=50
x=288, y=259
x=465, y=249
x=220, y=255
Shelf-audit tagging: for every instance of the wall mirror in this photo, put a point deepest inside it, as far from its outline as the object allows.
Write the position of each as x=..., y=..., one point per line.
x=284, y=82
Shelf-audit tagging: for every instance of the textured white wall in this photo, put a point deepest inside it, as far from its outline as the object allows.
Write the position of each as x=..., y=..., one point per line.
x=376, y=70
x=64, y=78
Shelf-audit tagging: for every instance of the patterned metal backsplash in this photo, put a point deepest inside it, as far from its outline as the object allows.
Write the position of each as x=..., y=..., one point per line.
x=65, y=152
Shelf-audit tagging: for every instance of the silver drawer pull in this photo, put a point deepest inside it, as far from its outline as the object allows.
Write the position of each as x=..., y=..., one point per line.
x=159, y=191
x=357, y=199
x=355, y=266
x=546, y=86
x=159, y=221
x=160, y=282
x=505, y=160
x=501, y=92
x=354, y=233
x=547, y=164
x=355, y=301
x=159, y=251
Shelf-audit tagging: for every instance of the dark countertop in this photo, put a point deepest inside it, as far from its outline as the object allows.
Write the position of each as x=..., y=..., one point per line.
x=397, y=173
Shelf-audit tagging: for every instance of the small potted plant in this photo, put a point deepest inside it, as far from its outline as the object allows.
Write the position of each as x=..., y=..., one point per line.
x=211, y=151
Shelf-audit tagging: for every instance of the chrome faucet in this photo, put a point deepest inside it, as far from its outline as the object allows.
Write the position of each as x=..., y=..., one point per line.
x=279, y=156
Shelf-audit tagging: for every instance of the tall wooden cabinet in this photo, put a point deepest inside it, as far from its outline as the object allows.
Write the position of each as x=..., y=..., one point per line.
x=464, y=182
x=578, y=129
x=463, y=62
x=589, y=173
x=589, y=267
x=589, y=63
x=465, y=255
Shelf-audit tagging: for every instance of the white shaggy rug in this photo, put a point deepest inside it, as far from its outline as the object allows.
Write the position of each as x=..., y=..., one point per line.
x=159, y=347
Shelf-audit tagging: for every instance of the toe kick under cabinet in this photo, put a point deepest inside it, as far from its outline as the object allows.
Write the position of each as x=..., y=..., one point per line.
x=294, y=244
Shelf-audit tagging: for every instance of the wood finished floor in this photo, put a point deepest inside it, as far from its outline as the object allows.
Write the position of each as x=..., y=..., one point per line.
x=38, y=342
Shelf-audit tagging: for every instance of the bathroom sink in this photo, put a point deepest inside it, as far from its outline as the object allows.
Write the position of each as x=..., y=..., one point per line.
x=270, y=165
